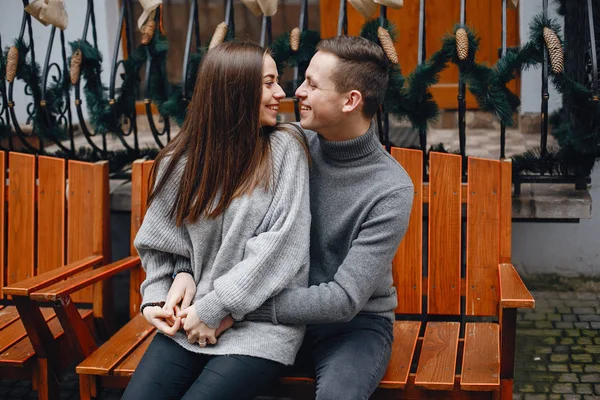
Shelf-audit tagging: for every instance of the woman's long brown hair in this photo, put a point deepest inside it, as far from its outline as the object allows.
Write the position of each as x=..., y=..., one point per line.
x=228, y=154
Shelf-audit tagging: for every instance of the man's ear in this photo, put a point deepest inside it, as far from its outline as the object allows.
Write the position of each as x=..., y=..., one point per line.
x=353, y=101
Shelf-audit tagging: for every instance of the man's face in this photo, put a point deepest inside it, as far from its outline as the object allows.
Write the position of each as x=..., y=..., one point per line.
x=320, y=104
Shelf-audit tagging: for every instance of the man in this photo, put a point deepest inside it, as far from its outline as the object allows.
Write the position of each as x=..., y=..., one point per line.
x=360, y=203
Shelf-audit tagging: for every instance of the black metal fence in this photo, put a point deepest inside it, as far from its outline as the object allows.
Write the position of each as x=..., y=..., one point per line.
x=51, y=116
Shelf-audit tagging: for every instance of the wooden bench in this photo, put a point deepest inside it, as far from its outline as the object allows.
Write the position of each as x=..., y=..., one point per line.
x=456, y=320
x=54, y=216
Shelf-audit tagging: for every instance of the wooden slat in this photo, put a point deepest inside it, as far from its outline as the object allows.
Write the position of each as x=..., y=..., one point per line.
x=481, y=357
x=51, y=214
x=14, y=332
x=101, y=244
x=21, y=218
x=444, y=234
x=505, y=210
x=8, y=315
x=3, y=271
x=23, y=351
x=84, y=279
x=463, y=193
x=28, y=286
x=437, y=362
x=137, y=207
x=80, y=219
x=483, y=237
x=117, y=348
x=146, y=169
x=408, y=262
x=513, y=293
x=127, y=367
x=406, y=334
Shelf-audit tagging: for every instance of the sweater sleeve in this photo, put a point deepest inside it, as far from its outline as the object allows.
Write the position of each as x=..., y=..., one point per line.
x=273, y=258
x=367, y=262
x=162, y=246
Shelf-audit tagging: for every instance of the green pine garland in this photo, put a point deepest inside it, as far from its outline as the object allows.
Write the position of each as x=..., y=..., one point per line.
x=284, y=56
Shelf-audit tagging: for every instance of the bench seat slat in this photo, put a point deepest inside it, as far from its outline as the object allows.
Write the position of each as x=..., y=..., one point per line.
x=481, y=357
x=18, y=354
x=8, y=315
x=406, y=334
x=437, y=363
x=14, y=332
x=117, y=348
x=127, y=367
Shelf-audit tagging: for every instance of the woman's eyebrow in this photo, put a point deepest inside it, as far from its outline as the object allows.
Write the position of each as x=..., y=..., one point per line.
x=270, y=76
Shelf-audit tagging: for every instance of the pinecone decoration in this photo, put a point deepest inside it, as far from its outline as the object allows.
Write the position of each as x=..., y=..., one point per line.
x=12, y=62
x=462, y=44
x=295, y=39
x=219, y=35
x=555, y=51
x=75, y=71
x=388, y=45
x=148, y=31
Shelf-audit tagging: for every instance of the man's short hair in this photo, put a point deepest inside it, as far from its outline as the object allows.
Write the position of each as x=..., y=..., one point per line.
x=362, y=66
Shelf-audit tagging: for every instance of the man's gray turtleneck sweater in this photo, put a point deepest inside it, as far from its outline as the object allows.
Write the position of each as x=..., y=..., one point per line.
x=360, y=201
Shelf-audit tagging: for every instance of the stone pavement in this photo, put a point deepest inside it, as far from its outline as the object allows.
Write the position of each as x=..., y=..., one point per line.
x=558, y=352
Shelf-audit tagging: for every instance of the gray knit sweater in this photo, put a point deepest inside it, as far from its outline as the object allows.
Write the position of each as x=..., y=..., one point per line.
x=360, y=203
x=256, y=248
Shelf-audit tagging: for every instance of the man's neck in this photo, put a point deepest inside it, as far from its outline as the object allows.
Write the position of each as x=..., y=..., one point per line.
x=351, y=128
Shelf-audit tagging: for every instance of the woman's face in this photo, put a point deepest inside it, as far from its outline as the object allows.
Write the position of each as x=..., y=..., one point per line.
x=272, y=93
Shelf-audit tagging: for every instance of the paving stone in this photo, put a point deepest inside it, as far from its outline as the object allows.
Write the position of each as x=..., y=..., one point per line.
x=573, y=332
x=558, y=367
x=549, y=340
x=569, y=318
x=597, y=389
x=595, y=325
x=592, y=368
x=589, y=397
x=593, y=378
x=582, y=358
x=586, y=296
x=597, y=340
x=545, y=325
x=543, y=350
x=526, y=388
x=564, y=310
x=542, y=377
x=562, y=349
x=565, y=388
x=579, y=304
x=567, y=340
x=584, y=340
x=584, y=388
x=593, y=349
x=582, y=325
x=584, y=310
x=19, y=391
x=568, y=378
x=576, y=367
x=555, y=397
x=517, y=396
x=572, y=397
x=559, y=358
x=553, y=317
x=578, y=349
x=564, y=325
x=539, y=332
x=589, y=332
x=590, y=318
x=524, y=324
x=536, y=397
x=534, y=317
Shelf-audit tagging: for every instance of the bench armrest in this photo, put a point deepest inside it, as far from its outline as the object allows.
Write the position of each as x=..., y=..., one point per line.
x=513, y=293
x=84, y=279
x=28, y=286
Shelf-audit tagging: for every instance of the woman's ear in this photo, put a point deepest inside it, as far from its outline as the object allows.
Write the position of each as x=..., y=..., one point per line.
x=353, y=100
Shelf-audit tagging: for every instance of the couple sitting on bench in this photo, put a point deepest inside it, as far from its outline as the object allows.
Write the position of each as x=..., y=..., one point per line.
x=269, y=244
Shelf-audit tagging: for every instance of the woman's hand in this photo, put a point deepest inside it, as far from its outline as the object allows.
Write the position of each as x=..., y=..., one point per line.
x=182, y=291
x=225, y=324
x=162, y=320
x=197, y=331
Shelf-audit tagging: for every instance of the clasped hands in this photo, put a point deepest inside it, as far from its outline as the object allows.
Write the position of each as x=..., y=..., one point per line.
x=178, y=313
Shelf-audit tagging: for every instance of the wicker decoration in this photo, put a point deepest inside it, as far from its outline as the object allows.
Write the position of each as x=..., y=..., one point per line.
x=388, y=44
x=148, y=31
x=75, y=70
x=12, y=62
x=462, y=44
x=295, y=39
x=253, y=7
x=555, y=51
x=219, y=35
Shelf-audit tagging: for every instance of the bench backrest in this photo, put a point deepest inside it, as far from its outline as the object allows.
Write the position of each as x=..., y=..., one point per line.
x=56, y=212
x=467, y=235
x=459, y=273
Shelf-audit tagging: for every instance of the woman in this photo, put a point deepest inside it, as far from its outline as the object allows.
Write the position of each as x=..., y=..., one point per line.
x=230, y=207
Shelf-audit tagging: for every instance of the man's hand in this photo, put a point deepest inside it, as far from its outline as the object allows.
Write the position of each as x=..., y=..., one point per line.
x=225, y=324
x=162, y=320
x=197, y=331
x=182, y=291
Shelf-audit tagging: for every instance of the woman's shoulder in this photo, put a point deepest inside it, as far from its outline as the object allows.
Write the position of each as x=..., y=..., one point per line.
x=288, y=138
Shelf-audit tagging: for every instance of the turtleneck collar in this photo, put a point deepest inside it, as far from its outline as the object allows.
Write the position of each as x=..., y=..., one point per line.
x=351, y=149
